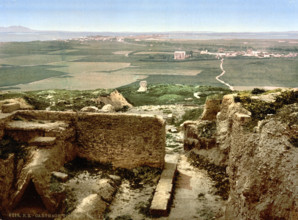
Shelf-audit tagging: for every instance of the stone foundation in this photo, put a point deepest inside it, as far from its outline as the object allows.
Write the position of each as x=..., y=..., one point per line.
x=55, y=138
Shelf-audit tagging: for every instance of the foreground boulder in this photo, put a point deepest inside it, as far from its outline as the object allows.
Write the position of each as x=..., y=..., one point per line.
x=115, y=99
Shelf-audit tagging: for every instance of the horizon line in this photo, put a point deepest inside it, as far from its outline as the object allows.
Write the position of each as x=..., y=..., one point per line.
x=165, y=31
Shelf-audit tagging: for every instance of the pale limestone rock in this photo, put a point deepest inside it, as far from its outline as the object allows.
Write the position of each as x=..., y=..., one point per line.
x=60, y=176
x=89, y=109
x=108, y=108
x=43, y=141
x=116, y=99
x=212, y=107
x=143, y=86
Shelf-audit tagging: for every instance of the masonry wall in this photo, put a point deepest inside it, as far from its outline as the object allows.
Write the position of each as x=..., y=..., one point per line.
x=124, y=140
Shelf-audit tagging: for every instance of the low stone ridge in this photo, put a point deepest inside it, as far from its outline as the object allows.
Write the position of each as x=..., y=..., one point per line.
x=29, y=126
x=10, y=107
x=163, y=192
x=43, y=141
x=23, y=105
x=26, y=130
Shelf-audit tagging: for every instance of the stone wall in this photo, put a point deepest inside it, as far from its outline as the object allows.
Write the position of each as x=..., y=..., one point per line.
x=126, y=141
x=55, y=138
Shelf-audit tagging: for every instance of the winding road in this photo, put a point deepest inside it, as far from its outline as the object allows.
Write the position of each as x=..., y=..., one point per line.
x=223, y=72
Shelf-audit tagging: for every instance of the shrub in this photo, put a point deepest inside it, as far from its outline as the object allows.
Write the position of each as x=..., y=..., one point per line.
x=260, y=109
x=257, y=91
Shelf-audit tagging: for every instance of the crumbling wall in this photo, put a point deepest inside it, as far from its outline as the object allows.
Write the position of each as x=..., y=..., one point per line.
x=262, y=168
x=261, y=161
x=201, y=135
x=124, y=140
x=7, y=167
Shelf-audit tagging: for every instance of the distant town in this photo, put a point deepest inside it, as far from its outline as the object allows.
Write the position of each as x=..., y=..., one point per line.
x=248, y=53
x=181, y=55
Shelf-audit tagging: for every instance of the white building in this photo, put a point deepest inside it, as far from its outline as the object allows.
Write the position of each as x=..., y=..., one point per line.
x=179, y=55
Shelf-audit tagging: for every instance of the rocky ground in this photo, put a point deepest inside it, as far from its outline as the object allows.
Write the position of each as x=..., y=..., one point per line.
x=194, y=194
x=92, y=188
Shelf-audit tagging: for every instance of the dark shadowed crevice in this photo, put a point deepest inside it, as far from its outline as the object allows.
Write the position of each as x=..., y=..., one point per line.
x=31, y=202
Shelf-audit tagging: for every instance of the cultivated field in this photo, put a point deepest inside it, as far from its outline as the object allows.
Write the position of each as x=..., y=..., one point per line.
x=111, y=64
x=273, y=72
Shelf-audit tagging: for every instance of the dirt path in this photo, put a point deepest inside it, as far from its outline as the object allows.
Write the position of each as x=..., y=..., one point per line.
x=223, y=72
x=194, y=195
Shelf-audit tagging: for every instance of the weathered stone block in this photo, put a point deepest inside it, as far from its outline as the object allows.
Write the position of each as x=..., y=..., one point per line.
x=43, y=141
x=60, y=176
x=163, y=192
x=10, y=107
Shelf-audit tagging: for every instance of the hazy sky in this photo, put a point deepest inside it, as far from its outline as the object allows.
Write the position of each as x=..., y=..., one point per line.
x=151, y=15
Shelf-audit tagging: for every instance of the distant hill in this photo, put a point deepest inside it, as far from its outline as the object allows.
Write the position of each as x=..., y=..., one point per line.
x=17, y=29
x=21, y=33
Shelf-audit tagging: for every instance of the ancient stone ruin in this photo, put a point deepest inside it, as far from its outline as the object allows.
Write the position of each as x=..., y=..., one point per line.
x=260, y=157
x=48, y=140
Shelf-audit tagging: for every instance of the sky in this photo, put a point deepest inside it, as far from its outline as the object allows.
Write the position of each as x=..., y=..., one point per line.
x=151, y=15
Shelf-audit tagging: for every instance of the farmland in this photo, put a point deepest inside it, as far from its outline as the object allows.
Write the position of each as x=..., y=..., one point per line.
x=91, y=64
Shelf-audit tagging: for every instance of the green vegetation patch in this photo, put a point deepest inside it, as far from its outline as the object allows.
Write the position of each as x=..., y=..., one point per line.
x=191, y=115
x=217, y=173
x=60, y=100
x=260, y=109
x=161, y=94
